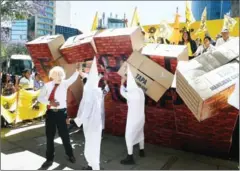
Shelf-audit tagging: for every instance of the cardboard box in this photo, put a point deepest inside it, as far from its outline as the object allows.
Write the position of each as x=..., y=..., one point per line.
x=79, y=48
x=75, y=91
x=166, y=55
x=119, y=41
x=206, y=93
x=152, y=78
x=46, y=47
x=44, y=52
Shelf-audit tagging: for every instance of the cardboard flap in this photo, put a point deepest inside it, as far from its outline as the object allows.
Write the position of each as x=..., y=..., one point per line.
x=117, y=32
x=156, y=72
x=79, y=39
x=45, y=39
x=156, y=91
x=136, y=59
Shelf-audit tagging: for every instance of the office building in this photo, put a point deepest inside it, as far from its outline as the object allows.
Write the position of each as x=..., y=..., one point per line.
x=66, y=31
x=215, y=9
x=19, y=31
x=45, y=20
x=63, y=13
x=235, y=8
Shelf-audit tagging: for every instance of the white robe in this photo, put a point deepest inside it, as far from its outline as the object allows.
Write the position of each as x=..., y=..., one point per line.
x=89, y=115
x=106, y=90
x=135, y=117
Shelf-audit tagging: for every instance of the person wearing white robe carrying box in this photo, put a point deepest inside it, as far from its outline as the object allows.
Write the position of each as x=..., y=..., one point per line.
x=89, y=115
x=135, y=118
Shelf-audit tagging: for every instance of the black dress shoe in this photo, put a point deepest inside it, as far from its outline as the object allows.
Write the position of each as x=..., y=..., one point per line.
x=128, y=160
x=46, y=164
x=87, y=168
x=142, y=153
x=72, y=159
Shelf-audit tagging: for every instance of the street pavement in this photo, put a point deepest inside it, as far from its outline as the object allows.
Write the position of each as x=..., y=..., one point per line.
x=24, y=148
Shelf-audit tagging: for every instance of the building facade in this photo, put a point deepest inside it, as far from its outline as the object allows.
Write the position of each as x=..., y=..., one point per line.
x=235, y=8
x=19, y=31
x=63, y=13
x=66, y=31
x=215, y=9
x=45, y=20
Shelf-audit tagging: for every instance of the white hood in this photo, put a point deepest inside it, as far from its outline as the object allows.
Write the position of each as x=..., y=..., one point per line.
x=92, y=77
x=131, y=83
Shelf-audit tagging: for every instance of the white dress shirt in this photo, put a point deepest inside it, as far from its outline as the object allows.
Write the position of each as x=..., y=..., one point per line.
x=220, y=41
x=200, y=49
x=26, y=83
x=60, y=93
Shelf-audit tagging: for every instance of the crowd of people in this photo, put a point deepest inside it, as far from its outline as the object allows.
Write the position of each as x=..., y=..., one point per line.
x=28, y=81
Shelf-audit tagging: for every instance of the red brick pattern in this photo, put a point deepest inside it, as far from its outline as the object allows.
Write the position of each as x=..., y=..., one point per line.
x=113, y=45
x=78, y=53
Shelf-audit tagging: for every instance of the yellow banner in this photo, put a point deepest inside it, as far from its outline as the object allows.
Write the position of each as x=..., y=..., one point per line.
x=214, y=27
x=21, y=106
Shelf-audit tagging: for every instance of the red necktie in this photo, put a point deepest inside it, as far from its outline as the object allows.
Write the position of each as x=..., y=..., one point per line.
x=52, y=95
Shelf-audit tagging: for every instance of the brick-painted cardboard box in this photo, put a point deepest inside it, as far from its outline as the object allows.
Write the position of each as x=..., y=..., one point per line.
x=166, y=55
x=79, y=48
x=45, y=54
x=119, y=41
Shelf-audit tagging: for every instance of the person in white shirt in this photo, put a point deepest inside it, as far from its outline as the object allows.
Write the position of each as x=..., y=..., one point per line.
x=206, y=47
x=135, y=117
x=54, y=94
x=225, y=37
x=26, y=82
x=89, y=115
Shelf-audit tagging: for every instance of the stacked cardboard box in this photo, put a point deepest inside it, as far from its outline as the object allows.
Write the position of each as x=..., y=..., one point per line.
x=119, y=41
x=79, y=48
x=44, y=52
x=206, y=81
x=166, y=55
x=74, y=94
x=152, y=78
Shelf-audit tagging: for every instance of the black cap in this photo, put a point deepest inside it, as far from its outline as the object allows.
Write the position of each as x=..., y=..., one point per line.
x=26, y=70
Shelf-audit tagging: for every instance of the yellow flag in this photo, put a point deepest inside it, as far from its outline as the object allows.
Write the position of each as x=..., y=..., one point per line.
x=189, y=16
x=175, y=37
x=165, y=31
x=95, y=22
x=203, y=24
x=135, y=19
x=229, y=23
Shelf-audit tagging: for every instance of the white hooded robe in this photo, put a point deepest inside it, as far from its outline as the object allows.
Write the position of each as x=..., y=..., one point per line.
x=89, y=114
x=136, y=111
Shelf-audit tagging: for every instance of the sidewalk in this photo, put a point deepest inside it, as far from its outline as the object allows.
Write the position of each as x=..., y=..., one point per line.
x=24, y=149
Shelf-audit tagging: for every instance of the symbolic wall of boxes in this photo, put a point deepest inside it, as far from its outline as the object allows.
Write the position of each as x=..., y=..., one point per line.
x=186, y=101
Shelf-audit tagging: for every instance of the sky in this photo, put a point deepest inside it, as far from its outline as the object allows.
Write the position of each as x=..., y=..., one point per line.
x=150, y=12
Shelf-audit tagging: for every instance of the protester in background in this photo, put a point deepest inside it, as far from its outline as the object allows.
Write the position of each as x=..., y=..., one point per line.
x=198, y=42
x=191, y=44
x=26, y=82
x=206, y=47
x=54, y=94
x=225, y=37
x=37, y=82
x=135, y=117
x=89, y=115
x=8, y=87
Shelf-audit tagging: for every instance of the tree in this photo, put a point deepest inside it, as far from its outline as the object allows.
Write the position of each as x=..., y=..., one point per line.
x=9, y=49
x=20, y=9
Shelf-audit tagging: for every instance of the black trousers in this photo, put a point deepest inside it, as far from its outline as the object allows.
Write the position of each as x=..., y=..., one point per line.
x=57, y=120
